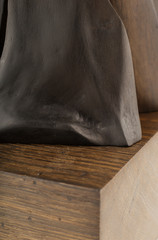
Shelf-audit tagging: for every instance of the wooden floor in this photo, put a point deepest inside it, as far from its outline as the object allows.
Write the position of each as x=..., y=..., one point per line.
x=53, y=192
x=83, y=166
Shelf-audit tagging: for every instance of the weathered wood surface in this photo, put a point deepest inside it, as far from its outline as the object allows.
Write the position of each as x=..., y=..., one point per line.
x=129, y=203
x=141, y=20
x=86, y=166
x=34, y=209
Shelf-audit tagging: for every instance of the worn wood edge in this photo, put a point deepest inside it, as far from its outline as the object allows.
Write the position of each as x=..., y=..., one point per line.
x=129, y=202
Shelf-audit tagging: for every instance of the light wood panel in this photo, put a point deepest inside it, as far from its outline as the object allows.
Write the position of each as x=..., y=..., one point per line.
x=129, y=203
x=141, y=20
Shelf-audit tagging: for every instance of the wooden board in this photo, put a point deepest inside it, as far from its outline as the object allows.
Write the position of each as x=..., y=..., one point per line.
x=35, y=209
x=84, y=166
x=129, y=203
x=141, y=21
x=59, y=198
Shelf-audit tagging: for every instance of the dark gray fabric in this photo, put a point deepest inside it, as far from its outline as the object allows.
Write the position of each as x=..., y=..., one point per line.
x=66, y=75
x=3, y=18
x=1, y=10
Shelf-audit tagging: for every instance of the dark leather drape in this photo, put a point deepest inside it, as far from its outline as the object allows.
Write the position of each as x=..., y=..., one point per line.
x=66, y=75
x=3, y=22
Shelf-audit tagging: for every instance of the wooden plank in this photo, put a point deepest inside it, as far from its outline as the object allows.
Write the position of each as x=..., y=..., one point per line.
x=129, y=203
x=141, y=21
x=85, y=166
x=38, y=209
x=33, y=208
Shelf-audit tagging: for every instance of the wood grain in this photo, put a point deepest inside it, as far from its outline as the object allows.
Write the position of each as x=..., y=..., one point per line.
x=60, y=197
x=34, y=209
x=85, y=166
x=129, y=203
x=141, y=21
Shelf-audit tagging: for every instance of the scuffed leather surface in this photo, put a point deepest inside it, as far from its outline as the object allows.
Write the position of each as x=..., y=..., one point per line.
x=66, y=75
